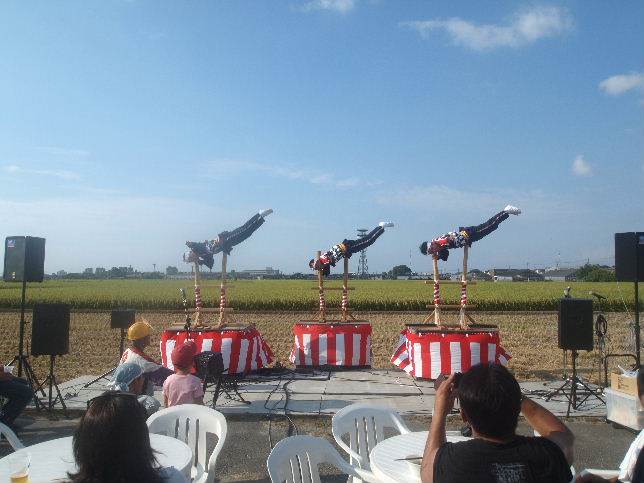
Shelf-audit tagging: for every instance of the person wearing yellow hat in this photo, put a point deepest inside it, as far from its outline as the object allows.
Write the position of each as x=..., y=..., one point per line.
x=139, y=336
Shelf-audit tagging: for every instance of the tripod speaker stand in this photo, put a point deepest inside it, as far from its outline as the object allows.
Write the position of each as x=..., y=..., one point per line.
x=50, y=337
x=575, y=390
x=575, y=331
x=24, y=261
x=121, y=319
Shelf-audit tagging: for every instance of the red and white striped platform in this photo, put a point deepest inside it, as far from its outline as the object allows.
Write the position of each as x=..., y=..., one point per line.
x=426, y=355
x=318, y=344
x=243, y=350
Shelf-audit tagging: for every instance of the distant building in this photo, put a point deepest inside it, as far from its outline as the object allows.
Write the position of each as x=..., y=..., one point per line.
x=99, y=271
x=61, y=273
x=88, y=271
x=561, y=275
x=267, y=272
x=514, y=274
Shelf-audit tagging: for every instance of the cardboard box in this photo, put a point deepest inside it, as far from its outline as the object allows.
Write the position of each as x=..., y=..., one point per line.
x=625, y=384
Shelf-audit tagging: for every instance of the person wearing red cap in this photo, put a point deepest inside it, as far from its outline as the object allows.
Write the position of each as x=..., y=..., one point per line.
x=182, y=387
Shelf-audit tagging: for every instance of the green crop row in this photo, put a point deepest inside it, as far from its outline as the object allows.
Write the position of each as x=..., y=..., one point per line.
x=388, y=295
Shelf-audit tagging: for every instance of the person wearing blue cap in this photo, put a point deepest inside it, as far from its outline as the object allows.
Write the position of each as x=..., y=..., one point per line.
x=128, y=377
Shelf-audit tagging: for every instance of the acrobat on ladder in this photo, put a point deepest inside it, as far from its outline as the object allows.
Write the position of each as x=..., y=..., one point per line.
x=439, y=248
x=324, y=261
x=202, y=253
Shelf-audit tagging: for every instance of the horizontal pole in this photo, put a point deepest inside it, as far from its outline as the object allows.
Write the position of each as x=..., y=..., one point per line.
x=451, y=306
x=333, y=288
x=431, y=282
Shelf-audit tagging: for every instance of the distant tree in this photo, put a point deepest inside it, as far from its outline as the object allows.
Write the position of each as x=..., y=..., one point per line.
x=117, y=272
x=171, y=270
x=400, y=271
x=595, y=273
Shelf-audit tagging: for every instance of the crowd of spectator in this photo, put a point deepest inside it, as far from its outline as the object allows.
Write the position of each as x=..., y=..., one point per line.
x=112, y=443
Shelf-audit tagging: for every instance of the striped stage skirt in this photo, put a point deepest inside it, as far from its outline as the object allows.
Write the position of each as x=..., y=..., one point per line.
x=426, y=355
x=243, y=350
x=340, y=345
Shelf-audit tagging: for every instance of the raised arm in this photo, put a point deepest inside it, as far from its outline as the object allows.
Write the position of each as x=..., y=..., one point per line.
x=549, y=426
x=445, y=396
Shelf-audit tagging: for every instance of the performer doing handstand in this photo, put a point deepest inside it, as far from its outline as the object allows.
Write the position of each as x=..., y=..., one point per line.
x=202, y=253
x=347, y=248
x=439, y=246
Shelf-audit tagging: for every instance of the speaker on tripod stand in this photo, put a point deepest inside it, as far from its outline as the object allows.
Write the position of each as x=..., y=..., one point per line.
x=24, y=261
x=50, y=337
x=575, y=333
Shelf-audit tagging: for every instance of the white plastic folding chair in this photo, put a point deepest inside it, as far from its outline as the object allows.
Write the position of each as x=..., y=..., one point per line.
x=296, y=460
x=607, y=474
x=9, y=435
x=365, y=425
x=190, y=423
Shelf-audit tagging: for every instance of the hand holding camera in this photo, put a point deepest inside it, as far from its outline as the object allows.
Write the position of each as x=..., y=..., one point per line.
x=446, y=392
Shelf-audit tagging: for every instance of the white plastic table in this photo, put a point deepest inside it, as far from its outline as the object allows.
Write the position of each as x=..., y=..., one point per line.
x=52, y=459
x=383, y=457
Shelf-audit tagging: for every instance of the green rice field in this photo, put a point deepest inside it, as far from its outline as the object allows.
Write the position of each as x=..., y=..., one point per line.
x=253, y=295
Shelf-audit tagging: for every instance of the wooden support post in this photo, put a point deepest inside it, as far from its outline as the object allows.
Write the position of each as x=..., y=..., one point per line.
x=198, y=303
x=222, y=291
x=322, y=313
x=345, y=291
x=437, y=293
x=462, y=317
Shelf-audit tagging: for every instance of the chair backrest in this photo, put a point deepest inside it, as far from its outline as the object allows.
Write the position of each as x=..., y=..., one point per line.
x=365, y=425
x=190, y=423
x=296, y=460
x=10, y=436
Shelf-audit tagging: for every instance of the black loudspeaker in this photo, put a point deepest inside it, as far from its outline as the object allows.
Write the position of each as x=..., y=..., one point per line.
x=122, y=318
x=24, y=259
x=50, y=330
x=629, y=257
x=209, y=365
x=575, y=324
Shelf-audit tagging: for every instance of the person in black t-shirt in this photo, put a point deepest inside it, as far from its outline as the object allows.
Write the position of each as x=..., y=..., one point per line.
x=491, y=401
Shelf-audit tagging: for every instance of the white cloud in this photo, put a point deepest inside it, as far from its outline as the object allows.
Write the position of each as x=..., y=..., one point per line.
x=618, y=84
x=55, y=173
x=223, y=168
x=580, y=167
x=339, y=6
x=524, y=28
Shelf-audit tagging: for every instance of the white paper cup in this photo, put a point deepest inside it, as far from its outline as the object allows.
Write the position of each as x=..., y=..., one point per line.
x=19, y=467
x=9, y=369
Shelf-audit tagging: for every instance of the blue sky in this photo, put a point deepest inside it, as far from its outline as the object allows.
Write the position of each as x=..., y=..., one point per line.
x=129, y=127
